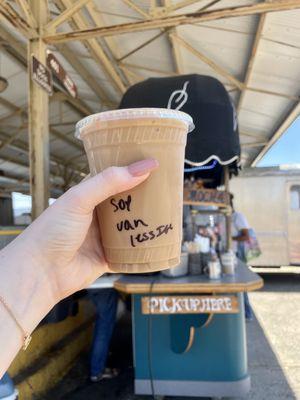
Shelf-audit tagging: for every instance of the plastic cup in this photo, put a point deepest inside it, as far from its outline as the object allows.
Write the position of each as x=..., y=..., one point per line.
x=141, y=229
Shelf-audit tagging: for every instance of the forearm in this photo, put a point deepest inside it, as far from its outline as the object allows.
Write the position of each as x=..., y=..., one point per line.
x=24, y=288
x=241, y=238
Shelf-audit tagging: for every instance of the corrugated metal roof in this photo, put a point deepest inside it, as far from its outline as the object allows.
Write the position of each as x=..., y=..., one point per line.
x=273, y=79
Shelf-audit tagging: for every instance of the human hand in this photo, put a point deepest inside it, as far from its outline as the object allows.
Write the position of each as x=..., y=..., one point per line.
x=61, y=250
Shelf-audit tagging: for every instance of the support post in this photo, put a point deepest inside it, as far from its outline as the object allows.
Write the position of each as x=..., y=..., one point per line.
x=228, y=216
x=38, y=118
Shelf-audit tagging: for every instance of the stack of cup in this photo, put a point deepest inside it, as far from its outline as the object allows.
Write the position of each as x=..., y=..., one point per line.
x=214, y=269
x=140, y=229
x=228, y=262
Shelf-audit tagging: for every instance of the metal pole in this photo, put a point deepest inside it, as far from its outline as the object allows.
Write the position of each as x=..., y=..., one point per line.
x=228, y=216
x=38, y=117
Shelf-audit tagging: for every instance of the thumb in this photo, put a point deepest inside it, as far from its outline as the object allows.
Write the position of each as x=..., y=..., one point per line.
x=89, y=193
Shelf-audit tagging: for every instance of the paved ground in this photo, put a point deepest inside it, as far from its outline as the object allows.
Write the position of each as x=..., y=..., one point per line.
x=273, y=348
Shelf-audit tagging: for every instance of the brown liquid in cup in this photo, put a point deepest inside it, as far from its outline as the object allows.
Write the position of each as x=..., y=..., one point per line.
x=141, y=229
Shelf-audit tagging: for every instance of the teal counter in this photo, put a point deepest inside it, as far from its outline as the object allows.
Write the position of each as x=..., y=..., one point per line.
x=189, y=336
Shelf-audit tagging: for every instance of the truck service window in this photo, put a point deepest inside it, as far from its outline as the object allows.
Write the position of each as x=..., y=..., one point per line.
x=295, y=197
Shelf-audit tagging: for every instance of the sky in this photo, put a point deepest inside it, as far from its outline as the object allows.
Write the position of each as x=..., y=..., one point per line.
x=286, y=150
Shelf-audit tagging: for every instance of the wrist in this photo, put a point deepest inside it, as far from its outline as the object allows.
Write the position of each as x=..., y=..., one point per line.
x=24, y=286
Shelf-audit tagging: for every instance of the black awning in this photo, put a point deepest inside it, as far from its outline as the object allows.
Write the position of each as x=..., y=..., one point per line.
x=215, y=136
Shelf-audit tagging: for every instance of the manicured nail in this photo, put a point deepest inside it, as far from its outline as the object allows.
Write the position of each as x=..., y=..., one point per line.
x=142, y=167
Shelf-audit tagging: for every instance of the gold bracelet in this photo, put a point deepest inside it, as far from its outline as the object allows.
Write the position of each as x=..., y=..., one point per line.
x=26, y=336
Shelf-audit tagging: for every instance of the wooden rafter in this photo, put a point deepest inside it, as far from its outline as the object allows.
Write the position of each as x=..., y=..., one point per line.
x=136, y=8
x=177, y=56
x=217, y=68
x=18, y=51
x=90, y=80
x=24, y=6
x=22, y=147
x=67, y=14
x=208, y=5
x=141, y=46
x=148, y=69
x=286, y=122
x=183, y=19
x=254, y=144
x=8, y=14
x=220, y=70
x=250, y=63
x=249, y=134
x=109, y=43
x=96, y=50
x=13, y=137
x=70, y=140
x=169, y=7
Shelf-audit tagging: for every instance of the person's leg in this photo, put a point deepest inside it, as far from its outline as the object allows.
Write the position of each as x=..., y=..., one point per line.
x=248, y=309
x=106, y=306
x=7, y=389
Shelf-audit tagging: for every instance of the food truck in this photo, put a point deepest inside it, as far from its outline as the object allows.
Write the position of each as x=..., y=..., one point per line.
x=189, y=336
x=275, y=192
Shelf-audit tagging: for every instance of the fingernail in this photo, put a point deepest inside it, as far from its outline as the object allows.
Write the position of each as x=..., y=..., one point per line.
x=142, y=167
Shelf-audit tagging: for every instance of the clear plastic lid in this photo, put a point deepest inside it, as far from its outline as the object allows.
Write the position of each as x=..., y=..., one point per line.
x=134, y=113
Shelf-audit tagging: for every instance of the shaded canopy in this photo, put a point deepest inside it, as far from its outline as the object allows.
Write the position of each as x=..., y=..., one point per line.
x=215, y=136
x=205, y=98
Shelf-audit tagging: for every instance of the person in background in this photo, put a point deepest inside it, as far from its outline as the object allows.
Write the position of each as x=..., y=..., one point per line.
x=7, y=388
x=240, y=234
x=106, y=302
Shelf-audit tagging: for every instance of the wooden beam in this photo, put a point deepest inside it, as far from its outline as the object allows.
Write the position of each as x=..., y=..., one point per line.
x=209, y=62
x=110, y=43
x=15, y=44
x=250, y=64
x=19, y=52
x=20, y=146
x=97, y=52
x=208, y=5
x=154, y=70
x=64, y=16
x=240, y=85
x=284, y=125
x=249, y=134
x=271, y=93
x=9, y=15
x=13, y=137
x=175, y=50
x=141, y=46
x=38, y=119
x=256, y=144
x=91, y=81
x=169, y=7
x=61, y=136
x=132, y=76
x=136, y=8
x=176, y=20
x=24, y=6
x=77, y=104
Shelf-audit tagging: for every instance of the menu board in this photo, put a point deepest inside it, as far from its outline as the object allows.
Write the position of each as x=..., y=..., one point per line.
x=207, y=197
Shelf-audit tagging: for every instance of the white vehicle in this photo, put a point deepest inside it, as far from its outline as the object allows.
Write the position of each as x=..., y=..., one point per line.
x=270, y=200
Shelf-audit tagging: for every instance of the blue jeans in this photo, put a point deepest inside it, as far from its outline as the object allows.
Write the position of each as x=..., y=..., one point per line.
x=241, y=255
x=7, y=387
x=248, y=309
x=105, y=301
